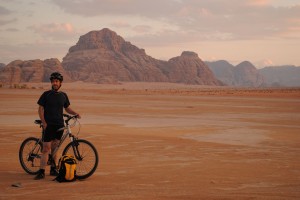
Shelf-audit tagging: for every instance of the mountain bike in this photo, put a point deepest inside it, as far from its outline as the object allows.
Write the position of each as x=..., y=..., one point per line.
x=86, y=154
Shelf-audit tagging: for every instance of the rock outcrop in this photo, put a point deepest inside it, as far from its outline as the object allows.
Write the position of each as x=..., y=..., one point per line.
x=223, y=70
x=30, y=71
x=189, y=68
x=246, y=74
x=104, y=56
x=243, y=75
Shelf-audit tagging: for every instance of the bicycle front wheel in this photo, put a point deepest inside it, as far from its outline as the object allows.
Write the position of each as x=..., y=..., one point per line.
x=30, y=155
x=86, y=155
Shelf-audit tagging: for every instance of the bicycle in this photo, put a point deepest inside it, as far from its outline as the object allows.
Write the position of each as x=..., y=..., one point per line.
x=86, y=154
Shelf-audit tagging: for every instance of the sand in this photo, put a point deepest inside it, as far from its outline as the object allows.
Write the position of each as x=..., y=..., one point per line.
x=164, y=141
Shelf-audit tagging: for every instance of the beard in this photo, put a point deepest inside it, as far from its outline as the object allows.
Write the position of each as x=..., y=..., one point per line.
x=55, y=87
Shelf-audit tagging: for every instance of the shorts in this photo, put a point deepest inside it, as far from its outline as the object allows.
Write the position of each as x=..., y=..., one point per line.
x=51, y=133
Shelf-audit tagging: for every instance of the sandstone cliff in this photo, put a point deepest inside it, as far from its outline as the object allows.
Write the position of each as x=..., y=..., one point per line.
x=189, y=68
x=30, y=71
x=104, y=56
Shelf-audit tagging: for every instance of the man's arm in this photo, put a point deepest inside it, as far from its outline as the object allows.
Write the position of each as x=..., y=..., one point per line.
x=41, y=115
x=72, y=112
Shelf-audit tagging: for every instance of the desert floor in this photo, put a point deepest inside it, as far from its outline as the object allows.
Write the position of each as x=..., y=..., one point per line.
x=165, y=141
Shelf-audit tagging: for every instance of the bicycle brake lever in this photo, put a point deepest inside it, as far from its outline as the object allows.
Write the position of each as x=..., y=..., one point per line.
x=65, y=115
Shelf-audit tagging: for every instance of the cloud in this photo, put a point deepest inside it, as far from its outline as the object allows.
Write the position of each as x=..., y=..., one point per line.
x=117, y=7
x=4, y=11
x=263, y=63
x=120, y=24
x=259, y=3
x=175, y=37
x=142, y=29
x=54, y=30
x=234, y=19
x=9, y=21
x=291, y=33
x=267, y=62
x=12, y=30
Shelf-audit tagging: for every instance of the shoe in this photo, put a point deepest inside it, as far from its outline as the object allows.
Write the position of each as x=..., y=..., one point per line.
x=40, y=175
x=53, y=171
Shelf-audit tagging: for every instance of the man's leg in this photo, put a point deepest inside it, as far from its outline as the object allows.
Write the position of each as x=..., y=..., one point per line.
x=53, y=170
x=53, y=147
x=44, y=160
x=45, y=154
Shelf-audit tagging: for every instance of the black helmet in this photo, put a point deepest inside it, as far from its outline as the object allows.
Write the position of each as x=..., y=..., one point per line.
x=56, y=75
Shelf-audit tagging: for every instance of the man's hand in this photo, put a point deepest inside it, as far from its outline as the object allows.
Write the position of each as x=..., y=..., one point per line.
x=78, y=116
x=72, y=112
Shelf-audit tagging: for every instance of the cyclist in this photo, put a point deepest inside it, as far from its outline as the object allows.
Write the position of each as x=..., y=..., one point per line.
x=51, y=106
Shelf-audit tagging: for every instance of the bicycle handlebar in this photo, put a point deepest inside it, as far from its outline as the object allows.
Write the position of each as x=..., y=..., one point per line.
x=69, y=117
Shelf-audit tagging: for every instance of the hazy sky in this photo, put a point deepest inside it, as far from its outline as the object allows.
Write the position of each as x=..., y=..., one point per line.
x=264, y=32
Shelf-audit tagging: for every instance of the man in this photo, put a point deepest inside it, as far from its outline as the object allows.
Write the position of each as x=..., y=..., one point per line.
x=51, y=106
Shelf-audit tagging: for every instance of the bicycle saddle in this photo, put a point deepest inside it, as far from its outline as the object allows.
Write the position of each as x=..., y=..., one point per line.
x=38, y=121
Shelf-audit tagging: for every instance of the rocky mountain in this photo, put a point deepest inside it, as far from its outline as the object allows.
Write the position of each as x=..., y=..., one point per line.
x=2, y=65
x=104, y=56
x=243, y=75
x=30, y=71
x=281, y=76
x=189, y=68
x=223, y=70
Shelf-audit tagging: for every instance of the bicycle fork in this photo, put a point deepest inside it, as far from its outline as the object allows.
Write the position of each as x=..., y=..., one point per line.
x=35, y=152
x=75, y=146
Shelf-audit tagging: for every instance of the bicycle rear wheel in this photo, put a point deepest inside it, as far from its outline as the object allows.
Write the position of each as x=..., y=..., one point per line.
x=30, y=155
x=86, y=155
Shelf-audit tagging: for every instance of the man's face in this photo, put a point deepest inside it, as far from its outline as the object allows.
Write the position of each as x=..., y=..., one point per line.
x=55, y=84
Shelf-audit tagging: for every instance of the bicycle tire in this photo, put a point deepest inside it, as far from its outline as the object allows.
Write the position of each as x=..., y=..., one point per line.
x=88, y=162
x=30, y=155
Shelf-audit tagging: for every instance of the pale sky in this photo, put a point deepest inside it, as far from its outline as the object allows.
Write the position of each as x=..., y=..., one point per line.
x=264, y=32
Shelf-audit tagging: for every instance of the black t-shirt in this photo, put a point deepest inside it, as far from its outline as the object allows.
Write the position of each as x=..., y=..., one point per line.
x=53, y=103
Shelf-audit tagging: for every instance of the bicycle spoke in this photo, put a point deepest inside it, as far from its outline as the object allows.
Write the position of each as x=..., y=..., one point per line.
x=29, y=155
x=88, y=161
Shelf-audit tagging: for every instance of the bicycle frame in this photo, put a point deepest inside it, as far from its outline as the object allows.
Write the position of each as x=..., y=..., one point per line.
x=31, y=150
x=63, y=138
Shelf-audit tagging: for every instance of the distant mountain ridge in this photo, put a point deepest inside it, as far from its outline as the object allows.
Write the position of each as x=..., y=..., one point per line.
x=223, y=70
x=246, y=75
x=288, y=75
x=105, y=57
